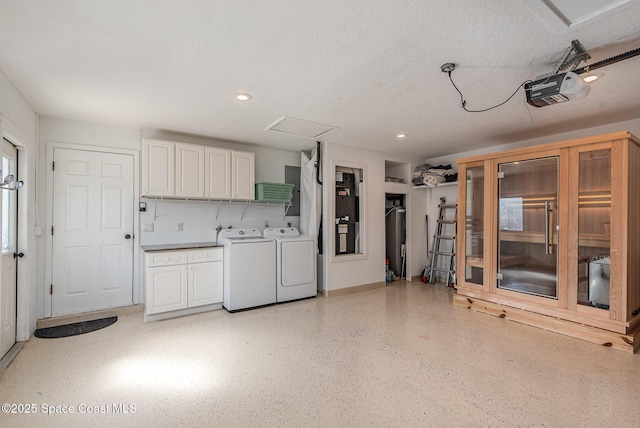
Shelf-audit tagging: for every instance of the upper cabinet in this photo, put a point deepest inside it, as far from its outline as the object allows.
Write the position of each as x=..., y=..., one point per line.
x=180, y=170
x=189, y=171
x=243, y=182
x=158, y=172
x=217, y=167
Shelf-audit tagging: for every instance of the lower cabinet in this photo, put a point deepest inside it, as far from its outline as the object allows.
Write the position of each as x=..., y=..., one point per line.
x=179, y=280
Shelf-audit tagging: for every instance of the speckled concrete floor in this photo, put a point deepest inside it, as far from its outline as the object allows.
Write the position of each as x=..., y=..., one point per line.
x=397, y=356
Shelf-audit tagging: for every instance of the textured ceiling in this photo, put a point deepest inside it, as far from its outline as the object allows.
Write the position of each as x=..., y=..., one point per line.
x=370, y=68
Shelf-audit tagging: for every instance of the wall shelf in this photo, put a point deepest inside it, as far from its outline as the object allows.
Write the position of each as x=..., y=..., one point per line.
x=220, y=202
x=445, y=184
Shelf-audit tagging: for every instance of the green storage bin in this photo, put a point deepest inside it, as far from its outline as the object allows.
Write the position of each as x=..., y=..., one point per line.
x=274, y=192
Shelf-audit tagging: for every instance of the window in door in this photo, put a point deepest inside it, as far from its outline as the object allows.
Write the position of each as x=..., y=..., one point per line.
x=8, y=204
x=594, y=237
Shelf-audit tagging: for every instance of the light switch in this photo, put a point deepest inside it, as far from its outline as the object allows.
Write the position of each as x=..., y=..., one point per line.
x=180, y=226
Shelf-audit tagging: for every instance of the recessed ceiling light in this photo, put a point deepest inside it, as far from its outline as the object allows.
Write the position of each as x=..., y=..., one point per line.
x=243, y=97
x=401, y=135
x=592, y=77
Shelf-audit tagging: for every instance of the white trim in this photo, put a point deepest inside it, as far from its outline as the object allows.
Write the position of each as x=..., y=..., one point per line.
x=26, y=241
x=547, y=11
x=364, y=212
x=138, y=296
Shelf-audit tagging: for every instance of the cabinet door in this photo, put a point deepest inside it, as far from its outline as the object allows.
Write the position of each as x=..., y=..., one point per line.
x=217, y=167
x=166, y=289
x=243, y=175
x=158, y=168
x=205, y=283
x=189, y=170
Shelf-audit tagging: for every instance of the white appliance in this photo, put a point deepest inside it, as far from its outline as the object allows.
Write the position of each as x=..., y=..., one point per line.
x=249, y=269
x=296, y=264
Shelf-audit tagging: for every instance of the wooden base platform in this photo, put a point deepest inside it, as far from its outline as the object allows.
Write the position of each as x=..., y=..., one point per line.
x=629, y=342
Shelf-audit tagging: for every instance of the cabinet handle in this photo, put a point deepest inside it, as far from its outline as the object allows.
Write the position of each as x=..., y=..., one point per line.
x=548, y=227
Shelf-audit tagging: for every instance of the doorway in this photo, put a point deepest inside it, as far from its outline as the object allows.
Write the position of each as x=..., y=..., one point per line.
x=528, y=216
x=396, y=236
x=8, y=281
x=92, y=230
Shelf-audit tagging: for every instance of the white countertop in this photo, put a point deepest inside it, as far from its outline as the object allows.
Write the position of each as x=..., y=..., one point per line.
x=189, y=246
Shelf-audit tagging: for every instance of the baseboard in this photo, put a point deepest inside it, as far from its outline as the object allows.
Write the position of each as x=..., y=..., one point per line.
x=355, y=289
x=629, y=342
x=4, y=362
x=181, y=312
x=88, y=316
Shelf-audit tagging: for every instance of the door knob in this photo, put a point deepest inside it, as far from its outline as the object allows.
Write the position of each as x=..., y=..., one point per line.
x=18, y=255
x=127, y=236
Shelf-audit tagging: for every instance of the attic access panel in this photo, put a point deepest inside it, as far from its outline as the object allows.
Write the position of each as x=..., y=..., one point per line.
x=566, y=15
x=300, y=128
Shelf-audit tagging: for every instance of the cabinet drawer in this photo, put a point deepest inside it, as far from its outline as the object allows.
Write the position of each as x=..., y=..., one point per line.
x=166, y=258
x=205, y=255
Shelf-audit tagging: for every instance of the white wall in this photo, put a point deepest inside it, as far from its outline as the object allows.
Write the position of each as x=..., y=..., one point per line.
x=352, y=270
x=18, y=123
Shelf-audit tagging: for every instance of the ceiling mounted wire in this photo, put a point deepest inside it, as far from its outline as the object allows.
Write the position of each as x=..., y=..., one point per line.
x=449, y=67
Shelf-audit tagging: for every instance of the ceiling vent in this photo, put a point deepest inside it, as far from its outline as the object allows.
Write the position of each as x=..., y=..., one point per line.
x=300, y=128
x=566, y=15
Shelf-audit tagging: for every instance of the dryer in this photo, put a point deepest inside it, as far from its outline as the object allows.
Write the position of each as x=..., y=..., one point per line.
x=296, y=276
x=249, y=269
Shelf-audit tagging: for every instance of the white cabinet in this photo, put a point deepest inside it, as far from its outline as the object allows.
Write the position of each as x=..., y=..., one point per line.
x=217, y=167
x=180, y=170
x=166, y=289
x=158, y=168
x=243, y=178
x=205, y=277
x=183, y=279
x=189, y=171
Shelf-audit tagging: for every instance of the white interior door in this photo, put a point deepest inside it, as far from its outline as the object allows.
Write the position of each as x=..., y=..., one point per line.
x=92, y=231
x=9, y=242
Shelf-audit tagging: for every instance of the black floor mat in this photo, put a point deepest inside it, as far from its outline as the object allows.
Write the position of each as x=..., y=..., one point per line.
x=74, y=329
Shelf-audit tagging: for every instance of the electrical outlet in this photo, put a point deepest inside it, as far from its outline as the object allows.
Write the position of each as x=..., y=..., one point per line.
x=147, y=227
x=180, y=226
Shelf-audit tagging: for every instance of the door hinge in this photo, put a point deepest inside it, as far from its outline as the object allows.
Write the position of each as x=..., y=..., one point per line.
x=52, y=230
x=51, y=289
x=53, y=166
x=501, y=174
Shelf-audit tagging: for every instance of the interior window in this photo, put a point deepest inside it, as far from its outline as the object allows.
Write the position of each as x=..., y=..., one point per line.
x=349, y=232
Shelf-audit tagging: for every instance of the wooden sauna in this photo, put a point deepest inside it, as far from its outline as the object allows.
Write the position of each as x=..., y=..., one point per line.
x=550, y=236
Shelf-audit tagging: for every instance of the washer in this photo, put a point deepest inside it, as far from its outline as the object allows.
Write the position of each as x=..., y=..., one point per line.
x=296, y=264
x=249, y=269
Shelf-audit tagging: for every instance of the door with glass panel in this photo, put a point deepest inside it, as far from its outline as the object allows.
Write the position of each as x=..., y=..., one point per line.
x=474, y=225
x=9, y=213
x=594, y=231
x=527, y=226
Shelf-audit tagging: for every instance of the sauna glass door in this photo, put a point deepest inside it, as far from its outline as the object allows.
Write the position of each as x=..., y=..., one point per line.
x=527, y=226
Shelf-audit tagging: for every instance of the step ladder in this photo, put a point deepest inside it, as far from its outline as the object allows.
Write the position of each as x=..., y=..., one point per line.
x=442, y=256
